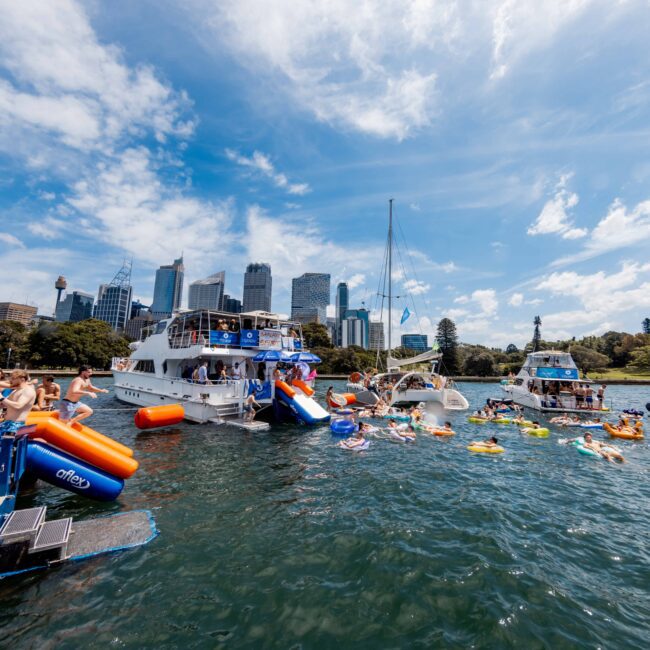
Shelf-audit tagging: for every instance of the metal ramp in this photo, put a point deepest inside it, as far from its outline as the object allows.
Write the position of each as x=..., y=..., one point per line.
x=22, y=525
x=53, y=534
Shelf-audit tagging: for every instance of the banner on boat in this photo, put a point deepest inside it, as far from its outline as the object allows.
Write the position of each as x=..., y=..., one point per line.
x=249, y=338
x=217, y=337
x=270, y=339
x=566, y=374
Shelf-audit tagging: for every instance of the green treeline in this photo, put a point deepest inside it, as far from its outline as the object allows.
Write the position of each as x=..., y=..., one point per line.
x=61, y=345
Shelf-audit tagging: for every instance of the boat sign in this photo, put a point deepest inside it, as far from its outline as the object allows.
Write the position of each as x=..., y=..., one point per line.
x=566, y=374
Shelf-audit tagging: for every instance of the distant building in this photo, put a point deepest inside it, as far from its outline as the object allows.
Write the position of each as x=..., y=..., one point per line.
x=138, y=309
x=231, y=305
x=355, y=328
x=342, y=299
x=168, y=289
x=114, y=300
x=310, y=295
x=60, y=285
x=15, y=311
x=257, y=288
x=76, y=306
x=41, y=318
x=208, y=293
x=331, y=328
x=134, y=326
x=377, y=340
x=417, y=342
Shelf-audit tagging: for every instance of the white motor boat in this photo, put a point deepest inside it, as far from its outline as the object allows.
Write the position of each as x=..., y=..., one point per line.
x=549, y=381
x=159, y=371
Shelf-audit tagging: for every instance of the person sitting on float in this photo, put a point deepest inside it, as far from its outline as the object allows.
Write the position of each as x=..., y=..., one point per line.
x=490, y=442
x=354, y=441
x=607, y=452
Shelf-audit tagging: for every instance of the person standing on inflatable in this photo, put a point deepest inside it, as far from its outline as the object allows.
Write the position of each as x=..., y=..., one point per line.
x=19, y=403
x=78, y=387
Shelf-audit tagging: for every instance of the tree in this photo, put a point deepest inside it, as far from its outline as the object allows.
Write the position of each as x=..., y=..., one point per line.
x=479, y=365
x=447, y=339
x=316, y=335
x=13, y=336
x=537, y=337
x=641, y=359
x=512, y=349
x=645, y=326
x=587, y=359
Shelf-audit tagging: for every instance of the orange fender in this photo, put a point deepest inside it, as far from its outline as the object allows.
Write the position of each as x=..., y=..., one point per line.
x=159, y=416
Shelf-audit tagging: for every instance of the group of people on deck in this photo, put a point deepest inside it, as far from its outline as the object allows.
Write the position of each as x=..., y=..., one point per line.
x=582, y=394
x=21, y=394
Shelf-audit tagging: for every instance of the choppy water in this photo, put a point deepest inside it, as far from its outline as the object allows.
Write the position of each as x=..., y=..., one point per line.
x=280, y=539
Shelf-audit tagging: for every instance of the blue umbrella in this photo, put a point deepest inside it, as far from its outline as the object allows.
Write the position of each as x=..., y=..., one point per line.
x=307, y=357
x=270, y=355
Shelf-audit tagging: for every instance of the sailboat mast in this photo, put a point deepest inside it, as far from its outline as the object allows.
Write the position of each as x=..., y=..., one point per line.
x=390, y=273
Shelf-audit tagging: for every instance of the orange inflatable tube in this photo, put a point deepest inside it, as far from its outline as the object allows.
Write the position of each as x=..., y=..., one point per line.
x=159, y=416
x=625, y=434
x=285, y=388
x=337, y=400
x=80, y=445
x=40, y=416
x=305, y=388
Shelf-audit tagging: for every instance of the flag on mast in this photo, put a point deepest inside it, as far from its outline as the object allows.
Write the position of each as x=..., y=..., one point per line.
x=405, y=315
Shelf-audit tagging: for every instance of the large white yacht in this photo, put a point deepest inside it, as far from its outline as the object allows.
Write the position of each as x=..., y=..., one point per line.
x=549, y=381
x=248, y=348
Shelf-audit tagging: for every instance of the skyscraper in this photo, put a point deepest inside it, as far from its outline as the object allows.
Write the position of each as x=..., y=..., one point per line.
x=257, y=287
x=231, y=305
x=76, y=306
x=114, y=299
x=208, y=293
x=310, y=295
x=342, y=298
x=168, y=289
x=377, y=340
x=355, y=328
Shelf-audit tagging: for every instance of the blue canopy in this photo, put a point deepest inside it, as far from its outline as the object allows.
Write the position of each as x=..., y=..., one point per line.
x=270, y=355
x=306, y=357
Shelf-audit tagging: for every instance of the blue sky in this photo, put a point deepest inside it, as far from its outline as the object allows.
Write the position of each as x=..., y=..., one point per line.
x=513, y=136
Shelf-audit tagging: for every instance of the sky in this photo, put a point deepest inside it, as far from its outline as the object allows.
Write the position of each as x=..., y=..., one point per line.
x=513, y=136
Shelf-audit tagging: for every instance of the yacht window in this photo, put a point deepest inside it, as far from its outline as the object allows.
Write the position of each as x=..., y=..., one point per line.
x=164, y=367
x=144, y=365
x=160, y=327
x=519, y=381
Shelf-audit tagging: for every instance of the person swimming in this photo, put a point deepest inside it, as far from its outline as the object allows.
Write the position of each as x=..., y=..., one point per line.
x=356, y=440
x=490, y=442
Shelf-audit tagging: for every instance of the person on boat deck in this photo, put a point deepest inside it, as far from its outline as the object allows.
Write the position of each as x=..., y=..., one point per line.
x=19, y=402
x=234, y=325
x=46, y=394
x=607, y=452
x=261, y=371
x=195, y=374
x=589, y=396
x=222, y=377
x=600, y=395
x=236, y=373
x=249, y=408
x=79, y=386
x=203, y=374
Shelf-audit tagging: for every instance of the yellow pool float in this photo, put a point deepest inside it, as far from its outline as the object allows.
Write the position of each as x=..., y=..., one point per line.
x=538, y=433
x=484, y=449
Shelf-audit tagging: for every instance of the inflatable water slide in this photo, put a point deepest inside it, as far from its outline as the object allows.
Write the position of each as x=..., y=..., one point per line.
x=299, y=402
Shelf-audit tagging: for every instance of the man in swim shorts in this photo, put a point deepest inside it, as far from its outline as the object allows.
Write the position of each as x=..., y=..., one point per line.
x=70, y=404
x=19, y=402
x=607, y=452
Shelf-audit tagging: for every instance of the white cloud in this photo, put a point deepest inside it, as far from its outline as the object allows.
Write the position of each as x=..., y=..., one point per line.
x=553, y=219
x=416, y=287
x=71, y=88
x=12, y=240
x=261, y=163
x=486, y=299
x=516, y=300
x=49, y=228
x=356, y=280
x=126, y=204
x=621, y=228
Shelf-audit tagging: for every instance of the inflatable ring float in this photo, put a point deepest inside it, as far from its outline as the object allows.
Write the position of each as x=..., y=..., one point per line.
x=538, y=433
x=483, y=449
x=477, y=420
x=626, y=434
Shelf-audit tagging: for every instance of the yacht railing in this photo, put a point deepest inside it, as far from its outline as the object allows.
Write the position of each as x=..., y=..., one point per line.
x=215, y=339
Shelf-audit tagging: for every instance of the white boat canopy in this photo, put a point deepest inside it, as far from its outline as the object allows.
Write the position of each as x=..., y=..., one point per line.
x=396, y=364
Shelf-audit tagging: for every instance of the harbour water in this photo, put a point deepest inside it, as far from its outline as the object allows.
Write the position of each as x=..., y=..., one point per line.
x=280, y=539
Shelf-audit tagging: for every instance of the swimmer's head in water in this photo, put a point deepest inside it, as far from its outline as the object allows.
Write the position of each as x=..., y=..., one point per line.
x=494, y=440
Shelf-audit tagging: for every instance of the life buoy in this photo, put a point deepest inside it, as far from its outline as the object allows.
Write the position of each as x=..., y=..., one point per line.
x=355, y=377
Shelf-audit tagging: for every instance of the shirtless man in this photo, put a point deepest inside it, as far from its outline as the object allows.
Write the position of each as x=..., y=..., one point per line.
x=606, y=451
x=78, y=387
x=19, y=403
x=46, y=394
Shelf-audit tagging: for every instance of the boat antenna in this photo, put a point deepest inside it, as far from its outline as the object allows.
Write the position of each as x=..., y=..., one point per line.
x=390, y=275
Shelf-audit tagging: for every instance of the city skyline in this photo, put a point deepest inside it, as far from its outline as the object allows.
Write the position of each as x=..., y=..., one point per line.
x=519, y=169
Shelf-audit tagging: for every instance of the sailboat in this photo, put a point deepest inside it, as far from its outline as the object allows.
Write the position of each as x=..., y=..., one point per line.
x=399, y=386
